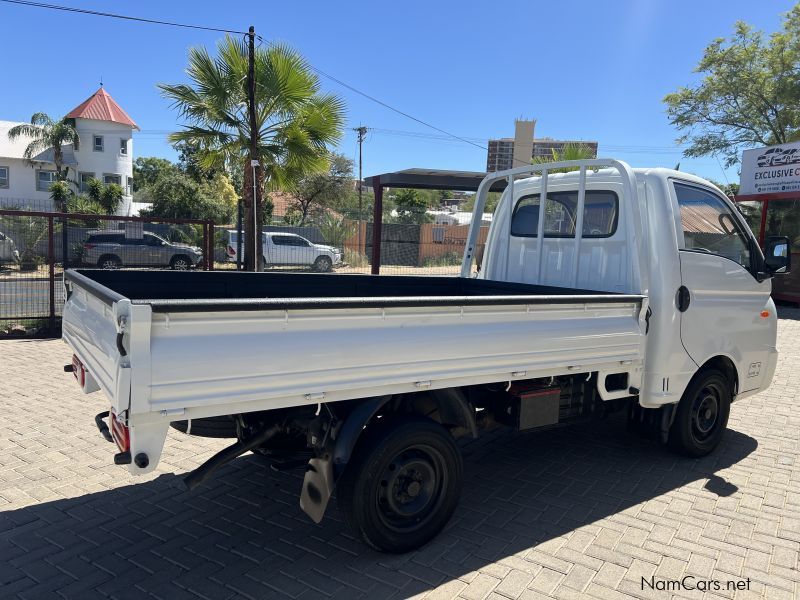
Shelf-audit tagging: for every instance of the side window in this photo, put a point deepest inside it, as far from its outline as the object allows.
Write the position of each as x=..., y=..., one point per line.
x=600, y=213
x=708, y=225
x=279, y=240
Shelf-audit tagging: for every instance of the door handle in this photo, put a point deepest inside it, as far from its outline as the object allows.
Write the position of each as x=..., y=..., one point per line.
x=682, y=298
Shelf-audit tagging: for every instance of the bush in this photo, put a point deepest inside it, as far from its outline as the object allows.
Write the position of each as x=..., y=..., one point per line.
x=445, y=260
x=355, y=259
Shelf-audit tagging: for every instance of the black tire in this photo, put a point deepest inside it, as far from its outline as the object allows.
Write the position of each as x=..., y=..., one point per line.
x=702, y=414
x=109, y=261
x=180, y=262
x=210, y=427
x=323, y=264
x=402, y=484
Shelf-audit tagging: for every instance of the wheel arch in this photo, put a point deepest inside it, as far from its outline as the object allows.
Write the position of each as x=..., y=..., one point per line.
x=727, y=366
x=449, y=407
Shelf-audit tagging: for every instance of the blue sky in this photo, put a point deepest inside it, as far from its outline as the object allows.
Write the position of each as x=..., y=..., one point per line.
x=584, y=70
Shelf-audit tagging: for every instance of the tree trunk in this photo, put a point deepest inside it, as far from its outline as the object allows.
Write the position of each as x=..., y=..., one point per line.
x=253, y=261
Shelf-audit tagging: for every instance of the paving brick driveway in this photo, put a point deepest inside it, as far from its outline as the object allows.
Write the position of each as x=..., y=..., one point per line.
x=580, y=512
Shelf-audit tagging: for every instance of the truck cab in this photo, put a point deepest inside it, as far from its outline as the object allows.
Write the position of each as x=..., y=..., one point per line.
x=707, y=281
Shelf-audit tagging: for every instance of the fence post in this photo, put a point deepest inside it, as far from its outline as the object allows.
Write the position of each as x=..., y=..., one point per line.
x=377, y=221
x=51, y=259
x=65, y=239
x=239, y=233
x=210, y=226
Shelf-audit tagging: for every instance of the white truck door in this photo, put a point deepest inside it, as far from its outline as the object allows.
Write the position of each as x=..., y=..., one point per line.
x=721, y=302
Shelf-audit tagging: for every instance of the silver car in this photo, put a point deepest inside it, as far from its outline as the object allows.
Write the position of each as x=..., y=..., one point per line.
x=112, y=250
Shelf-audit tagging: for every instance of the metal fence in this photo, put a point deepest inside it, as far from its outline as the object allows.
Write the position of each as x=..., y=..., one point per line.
x=36, y=247
x=409, y=243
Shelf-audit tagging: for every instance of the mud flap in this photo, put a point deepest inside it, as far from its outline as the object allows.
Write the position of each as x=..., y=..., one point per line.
x=318, y=486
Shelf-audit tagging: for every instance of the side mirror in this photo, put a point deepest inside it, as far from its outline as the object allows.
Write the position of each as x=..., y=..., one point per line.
x=778, y=255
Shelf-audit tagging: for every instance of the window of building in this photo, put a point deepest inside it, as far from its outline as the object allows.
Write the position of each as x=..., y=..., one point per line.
x=130, y=186
x=112, y=178
x=600, y=212
x=44, y=179
x=123, y=146
x=98, y=143
x=3, y=177
x=709, y=225
x=83, y=180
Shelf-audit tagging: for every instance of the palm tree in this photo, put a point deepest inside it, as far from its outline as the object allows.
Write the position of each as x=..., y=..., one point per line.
x=576, y=151
x=45, y=133
x=295, y=122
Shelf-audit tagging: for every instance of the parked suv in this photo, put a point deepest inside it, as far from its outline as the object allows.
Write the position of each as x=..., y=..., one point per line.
x=111, y=250
x=290, y=249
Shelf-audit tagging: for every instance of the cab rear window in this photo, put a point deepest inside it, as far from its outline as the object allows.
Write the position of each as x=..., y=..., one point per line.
x=600, y=215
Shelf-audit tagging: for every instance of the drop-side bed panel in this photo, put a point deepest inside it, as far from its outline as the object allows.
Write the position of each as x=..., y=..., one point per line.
x=217, y=352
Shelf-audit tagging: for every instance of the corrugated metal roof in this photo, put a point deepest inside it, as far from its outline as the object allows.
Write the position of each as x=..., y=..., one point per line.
x=100, y=106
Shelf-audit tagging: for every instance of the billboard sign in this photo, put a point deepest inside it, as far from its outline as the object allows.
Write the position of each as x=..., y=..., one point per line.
x=774, y=169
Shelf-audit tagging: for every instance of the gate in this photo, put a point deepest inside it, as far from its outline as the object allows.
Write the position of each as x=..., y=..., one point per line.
x=37, y=246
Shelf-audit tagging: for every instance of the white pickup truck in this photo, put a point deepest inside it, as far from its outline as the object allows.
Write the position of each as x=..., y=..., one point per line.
x=641, y=290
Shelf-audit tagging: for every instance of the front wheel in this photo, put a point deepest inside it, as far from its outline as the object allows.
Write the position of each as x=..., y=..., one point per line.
x=180, y=263
x=702, y=414
x=402, y=485
x=323, y=264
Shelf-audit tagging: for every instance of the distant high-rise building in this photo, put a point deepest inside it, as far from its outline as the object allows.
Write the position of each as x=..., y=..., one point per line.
x=506, y=153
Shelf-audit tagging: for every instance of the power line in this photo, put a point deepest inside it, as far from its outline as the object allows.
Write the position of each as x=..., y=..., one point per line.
x=95, y=13
x=385, y=105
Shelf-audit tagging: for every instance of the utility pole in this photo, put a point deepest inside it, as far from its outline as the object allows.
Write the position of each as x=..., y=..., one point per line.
x=255, y=265
x=362, y=132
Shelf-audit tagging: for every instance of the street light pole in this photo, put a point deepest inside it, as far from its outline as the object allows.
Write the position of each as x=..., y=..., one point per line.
x=256, y=232
x=362, y=132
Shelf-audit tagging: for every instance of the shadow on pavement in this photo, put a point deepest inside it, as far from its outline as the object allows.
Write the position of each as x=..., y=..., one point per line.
x=243, y=534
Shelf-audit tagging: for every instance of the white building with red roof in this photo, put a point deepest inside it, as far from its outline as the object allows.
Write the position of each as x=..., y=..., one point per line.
x=105, y=152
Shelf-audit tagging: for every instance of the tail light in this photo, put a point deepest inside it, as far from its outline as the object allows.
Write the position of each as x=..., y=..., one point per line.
x=120, y=433
x=231, y=251
x=88, y=246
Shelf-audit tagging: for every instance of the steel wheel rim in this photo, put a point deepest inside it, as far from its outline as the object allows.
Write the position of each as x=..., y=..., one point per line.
x=411, y=488
x=706, y=412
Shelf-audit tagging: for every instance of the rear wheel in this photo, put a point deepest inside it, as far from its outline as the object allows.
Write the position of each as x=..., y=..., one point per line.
x=180, y=263
x=323, y=264
x=109, y=262
x=402, y=485
x=702, y=414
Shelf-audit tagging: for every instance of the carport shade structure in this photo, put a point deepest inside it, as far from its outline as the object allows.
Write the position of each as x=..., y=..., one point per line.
x=419, y=179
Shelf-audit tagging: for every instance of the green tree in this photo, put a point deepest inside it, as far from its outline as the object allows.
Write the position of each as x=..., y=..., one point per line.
x=146, y=169
x=411, y=206
x=749, y=94
x=335, y=230
x=575, y=151
x=60, y=194
x=176, y=196
x=316, y=191
x=295, y=122
x=45, y=134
